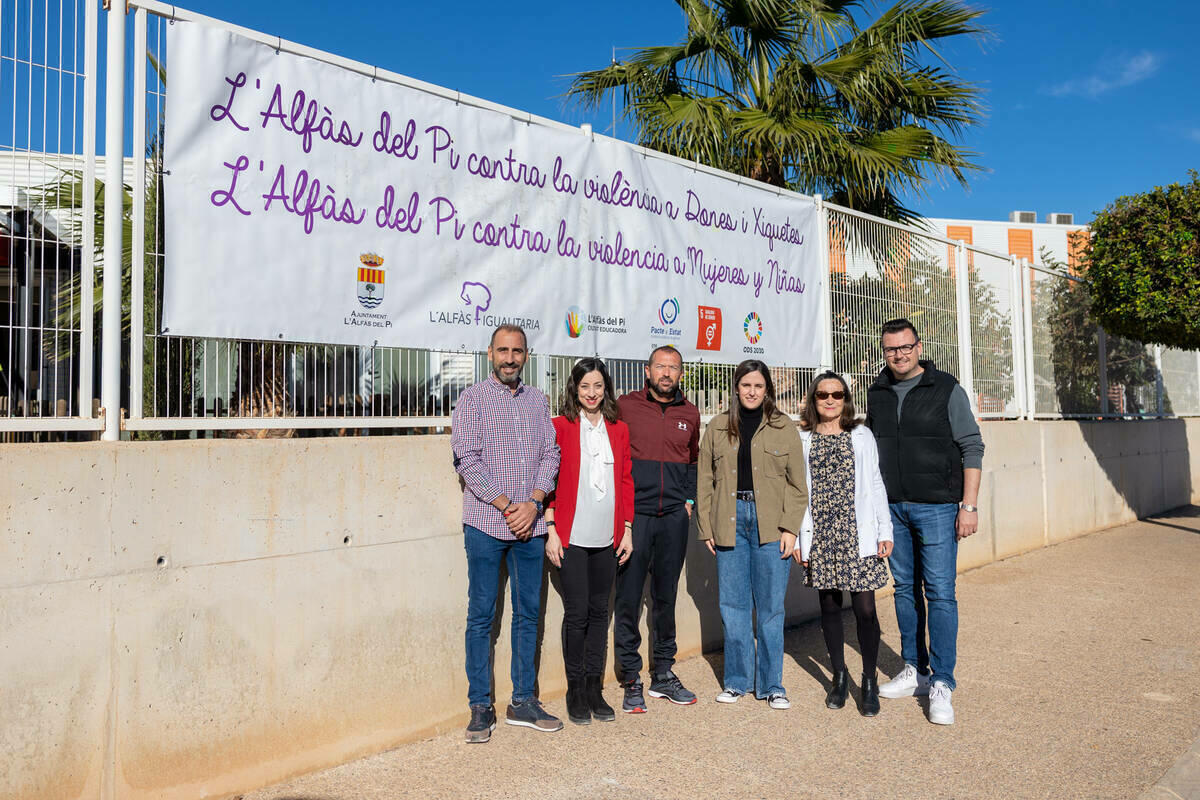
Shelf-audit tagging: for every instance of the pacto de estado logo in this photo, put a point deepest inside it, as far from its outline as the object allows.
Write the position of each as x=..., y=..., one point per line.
x=370, y=280
x=668, y=312
x=708, y=328
x=575, y=322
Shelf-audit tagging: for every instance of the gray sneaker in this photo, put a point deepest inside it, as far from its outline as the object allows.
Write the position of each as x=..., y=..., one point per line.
x=634, y=702
x=531, y=715
x=669, y=686
x=483, y=722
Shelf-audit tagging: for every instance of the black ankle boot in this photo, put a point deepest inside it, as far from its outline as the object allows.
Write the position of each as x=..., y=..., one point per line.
x=577, y=704
x=593, y=688
x=870, y=696
x=840, y=689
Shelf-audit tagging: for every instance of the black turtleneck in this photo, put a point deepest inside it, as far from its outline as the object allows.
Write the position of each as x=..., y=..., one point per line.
x=748, y=422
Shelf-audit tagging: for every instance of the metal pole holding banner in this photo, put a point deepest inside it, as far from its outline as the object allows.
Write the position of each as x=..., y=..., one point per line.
x=114, y=196
x=826, y=284
x=1027, y=314
x=962, y=302
x=137, y=316
x=87, y=391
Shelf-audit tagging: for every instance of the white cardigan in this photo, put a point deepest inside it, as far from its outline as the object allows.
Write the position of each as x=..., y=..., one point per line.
x=870, y=496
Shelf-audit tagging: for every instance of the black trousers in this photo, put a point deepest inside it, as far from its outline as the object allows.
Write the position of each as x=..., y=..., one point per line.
x=587, y=581
x=659, y=547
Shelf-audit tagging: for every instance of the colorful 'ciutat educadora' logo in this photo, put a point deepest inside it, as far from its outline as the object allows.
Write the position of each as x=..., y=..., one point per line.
x=753, y=327
x=668, y=312
x=370, y=280
x=575, y=322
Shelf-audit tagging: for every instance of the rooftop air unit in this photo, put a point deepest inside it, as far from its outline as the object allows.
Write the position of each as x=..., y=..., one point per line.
x=1060, y=219
x=1024, y=217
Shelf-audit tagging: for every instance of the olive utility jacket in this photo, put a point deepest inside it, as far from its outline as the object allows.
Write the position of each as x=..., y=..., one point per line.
x=780, y=483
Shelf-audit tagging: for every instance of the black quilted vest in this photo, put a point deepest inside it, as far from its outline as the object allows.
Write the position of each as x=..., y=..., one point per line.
x=918, y=457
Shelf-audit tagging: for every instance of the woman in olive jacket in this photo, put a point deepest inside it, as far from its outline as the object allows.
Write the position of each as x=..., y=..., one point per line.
x=750, y=502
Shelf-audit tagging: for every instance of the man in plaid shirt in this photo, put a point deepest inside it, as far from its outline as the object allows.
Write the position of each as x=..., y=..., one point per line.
x=506, y=454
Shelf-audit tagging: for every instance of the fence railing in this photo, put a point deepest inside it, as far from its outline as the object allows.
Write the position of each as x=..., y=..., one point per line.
x=1018, y=335
x=47, y=164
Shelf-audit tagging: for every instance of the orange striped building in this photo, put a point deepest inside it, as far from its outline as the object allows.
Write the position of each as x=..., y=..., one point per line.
x=1064, y=242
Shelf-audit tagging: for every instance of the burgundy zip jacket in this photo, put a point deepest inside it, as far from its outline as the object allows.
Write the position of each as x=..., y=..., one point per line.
x=665, y=445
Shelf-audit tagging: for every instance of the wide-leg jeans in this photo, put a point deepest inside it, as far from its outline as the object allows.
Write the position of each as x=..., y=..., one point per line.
x=751, y=577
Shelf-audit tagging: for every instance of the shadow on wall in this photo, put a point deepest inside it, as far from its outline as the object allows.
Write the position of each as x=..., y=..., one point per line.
x=1089, y=373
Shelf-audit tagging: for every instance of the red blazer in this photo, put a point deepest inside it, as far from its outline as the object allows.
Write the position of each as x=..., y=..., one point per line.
x=562, y=499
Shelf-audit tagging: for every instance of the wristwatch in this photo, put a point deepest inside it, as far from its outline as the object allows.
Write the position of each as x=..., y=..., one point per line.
x=968, y=507
x=539, y=506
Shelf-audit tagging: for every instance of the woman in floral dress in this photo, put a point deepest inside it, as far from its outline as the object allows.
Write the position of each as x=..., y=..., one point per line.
x=847, y=533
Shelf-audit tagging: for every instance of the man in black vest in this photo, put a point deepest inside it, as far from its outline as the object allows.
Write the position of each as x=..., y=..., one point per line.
x=931, y=457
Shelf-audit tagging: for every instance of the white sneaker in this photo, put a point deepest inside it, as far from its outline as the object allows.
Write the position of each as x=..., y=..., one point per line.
x=779, y=702
x=941, y=712
x=728, y=696
x=908, y=682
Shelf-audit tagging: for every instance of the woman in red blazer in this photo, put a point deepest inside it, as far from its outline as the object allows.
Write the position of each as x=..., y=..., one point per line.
x=589, y=516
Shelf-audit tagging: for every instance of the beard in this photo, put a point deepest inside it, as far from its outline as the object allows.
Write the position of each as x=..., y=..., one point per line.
x=511, y=381
x=669, y=392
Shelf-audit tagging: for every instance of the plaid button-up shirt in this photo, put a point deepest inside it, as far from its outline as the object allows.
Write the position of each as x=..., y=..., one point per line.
x=503, y=444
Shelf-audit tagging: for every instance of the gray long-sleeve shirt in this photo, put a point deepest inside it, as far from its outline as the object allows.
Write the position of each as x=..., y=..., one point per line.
x=963, y=426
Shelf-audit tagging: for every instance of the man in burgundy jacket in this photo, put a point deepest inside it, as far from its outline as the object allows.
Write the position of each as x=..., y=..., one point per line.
x=664, y=440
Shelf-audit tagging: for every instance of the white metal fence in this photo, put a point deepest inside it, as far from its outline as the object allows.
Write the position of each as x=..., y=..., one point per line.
x=1017, y=335
x=47, y=163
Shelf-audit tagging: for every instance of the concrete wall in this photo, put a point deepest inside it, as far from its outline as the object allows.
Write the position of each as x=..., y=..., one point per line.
x=194, y=619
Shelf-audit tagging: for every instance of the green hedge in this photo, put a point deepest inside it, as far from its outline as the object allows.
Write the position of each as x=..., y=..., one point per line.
x=1144, y=266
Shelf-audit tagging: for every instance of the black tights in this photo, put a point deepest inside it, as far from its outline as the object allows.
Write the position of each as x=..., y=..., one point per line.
x=863, y=604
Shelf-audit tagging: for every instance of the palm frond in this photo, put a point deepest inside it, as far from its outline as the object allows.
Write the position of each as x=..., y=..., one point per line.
x=796, y=93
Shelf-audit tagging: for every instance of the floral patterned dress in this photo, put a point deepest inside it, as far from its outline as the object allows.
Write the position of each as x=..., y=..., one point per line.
x=833, y=560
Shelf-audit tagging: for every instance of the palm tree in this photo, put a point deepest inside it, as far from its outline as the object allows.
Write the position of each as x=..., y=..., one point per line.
x=795, y=93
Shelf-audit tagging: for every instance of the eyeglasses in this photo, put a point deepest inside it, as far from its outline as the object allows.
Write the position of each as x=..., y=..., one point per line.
x=827, y=395
x=904, y=348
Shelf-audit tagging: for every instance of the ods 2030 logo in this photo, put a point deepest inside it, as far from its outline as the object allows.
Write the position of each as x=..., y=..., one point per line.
x=753, y=328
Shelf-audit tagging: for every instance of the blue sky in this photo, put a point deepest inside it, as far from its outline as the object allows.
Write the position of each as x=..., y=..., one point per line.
x=1087, y=100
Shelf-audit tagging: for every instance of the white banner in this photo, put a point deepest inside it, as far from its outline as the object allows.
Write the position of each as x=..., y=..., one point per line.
x=309, y=203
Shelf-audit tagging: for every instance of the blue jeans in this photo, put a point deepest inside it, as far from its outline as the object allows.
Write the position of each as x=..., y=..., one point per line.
x=751, y=577
x=484, y=554
x=924, y=564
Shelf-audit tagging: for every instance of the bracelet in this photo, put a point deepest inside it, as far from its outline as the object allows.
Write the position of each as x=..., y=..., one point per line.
x=507, y=507
x=549, y=523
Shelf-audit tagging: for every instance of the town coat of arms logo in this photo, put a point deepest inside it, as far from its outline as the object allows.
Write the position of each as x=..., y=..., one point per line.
x=370, y=280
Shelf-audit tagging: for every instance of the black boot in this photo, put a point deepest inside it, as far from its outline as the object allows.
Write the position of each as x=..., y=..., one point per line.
x=840, y=689
x=593, y=688
x=577, y=704
x=870, y=696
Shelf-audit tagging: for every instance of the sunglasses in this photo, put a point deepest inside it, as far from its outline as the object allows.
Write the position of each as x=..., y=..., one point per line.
x=827, y=395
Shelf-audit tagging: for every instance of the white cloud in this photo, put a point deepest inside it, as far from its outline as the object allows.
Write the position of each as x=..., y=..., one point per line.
x=1122, y=72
